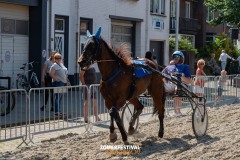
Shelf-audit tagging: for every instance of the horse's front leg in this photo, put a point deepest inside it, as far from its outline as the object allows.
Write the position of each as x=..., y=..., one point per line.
x=113, y=135
x=114, y=114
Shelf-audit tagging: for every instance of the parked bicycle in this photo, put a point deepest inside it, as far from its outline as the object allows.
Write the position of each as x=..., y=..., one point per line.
x=7, y=101
x=23, y=82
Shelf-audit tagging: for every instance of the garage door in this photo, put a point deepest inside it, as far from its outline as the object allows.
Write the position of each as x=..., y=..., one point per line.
x=13, y=40
x=122, y=33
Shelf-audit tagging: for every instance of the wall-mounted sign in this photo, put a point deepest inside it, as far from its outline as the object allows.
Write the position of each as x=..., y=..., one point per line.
x=157, y=24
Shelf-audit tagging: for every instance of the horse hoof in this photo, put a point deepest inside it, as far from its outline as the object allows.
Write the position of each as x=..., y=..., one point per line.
x=113, y=137
x=130, y=130
x=160, y=134
x=126, y=143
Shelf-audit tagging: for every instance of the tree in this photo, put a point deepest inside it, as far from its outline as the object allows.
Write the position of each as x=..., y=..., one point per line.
x=228, y=11
x=184, y=44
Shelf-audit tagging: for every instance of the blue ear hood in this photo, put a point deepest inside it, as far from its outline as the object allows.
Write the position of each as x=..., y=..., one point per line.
x=88, y=33
x=97, y=34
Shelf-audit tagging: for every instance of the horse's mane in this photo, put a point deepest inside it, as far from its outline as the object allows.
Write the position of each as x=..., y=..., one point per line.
x=121, y=53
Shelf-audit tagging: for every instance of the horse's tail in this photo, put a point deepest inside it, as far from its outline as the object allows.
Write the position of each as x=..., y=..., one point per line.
x=163, y=102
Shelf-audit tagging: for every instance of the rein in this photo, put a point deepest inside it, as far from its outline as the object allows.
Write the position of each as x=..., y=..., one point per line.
x=108, y=60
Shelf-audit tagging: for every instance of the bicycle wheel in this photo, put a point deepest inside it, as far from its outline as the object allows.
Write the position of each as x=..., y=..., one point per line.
x=199, y=120
x=7, y=102
x=34, y=81
x=127, y=114
x=22, y=83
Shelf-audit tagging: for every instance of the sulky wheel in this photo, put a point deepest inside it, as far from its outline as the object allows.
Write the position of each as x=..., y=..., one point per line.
x=200, y=120
x=127, y=113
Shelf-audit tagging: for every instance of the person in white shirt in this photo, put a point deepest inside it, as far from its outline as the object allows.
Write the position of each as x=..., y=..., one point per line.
x=223, y=58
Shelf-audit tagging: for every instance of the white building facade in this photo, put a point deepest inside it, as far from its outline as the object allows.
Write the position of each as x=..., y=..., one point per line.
x=61, y=25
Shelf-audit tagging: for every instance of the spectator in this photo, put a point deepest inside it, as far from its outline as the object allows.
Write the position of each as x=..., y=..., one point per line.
x=148, y=55
x=238, y=59
x=47, y=81
x=88, y=77
x=182, y=72
x=58, y=72
x=199, y=79
x=221, y=81
x=214, y=66
x=155, y=62
x=223, y=58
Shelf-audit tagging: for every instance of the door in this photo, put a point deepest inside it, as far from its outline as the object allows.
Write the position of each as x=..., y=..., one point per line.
x=157, y=48
x=59, y=44
x=7, y=57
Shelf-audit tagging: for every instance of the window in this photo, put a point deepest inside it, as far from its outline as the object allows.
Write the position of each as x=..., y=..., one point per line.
x=8, y=26
x=11, y=26
x=210, y=14
x=187, y=9
x=157, y=7
x=121, y=33
x=21, y=27
x=85, y=24
x=173, y=10
x=59, y=25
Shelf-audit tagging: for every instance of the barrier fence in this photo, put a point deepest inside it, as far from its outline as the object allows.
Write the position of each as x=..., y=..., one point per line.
x=28, y=119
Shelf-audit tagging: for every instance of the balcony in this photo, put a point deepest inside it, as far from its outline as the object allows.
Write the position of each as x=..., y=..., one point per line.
x=186, y=25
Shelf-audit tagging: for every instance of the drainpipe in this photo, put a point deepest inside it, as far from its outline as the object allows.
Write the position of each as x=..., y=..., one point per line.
x=177, y=24
x=146, y=31
x=77, y=42
x=50, y=27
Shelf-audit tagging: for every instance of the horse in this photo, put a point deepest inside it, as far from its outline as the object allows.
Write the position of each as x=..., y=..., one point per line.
x=119, y=82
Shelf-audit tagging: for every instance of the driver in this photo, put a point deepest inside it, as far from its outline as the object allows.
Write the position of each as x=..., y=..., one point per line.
x=176, y=69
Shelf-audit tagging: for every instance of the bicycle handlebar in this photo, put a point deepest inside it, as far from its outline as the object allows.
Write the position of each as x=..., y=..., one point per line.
x=29, y=63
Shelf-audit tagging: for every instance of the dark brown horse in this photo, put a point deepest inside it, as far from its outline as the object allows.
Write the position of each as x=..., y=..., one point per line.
x=119, y=83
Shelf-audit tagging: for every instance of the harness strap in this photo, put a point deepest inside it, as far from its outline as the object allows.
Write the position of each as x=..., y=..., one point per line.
x=133, y=84
x=115, y=74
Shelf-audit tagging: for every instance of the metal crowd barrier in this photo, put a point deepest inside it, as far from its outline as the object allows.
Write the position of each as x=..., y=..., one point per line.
x=13, y=124
x=27, y=119
x=47, y=120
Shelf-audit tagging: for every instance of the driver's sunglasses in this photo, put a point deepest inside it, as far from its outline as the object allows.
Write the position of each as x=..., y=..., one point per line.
x=176, y=56
x=58, y=57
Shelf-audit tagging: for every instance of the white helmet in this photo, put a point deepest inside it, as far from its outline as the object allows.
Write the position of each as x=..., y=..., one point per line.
x=179, y=53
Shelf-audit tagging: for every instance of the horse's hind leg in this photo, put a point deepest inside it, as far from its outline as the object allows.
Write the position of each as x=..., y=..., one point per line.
x=115, y=115
x=158, y=96
x=139, y=107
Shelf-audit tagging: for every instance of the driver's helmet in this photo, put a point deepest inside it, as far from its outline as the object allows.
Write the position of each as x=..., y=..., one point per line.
x=180, y=54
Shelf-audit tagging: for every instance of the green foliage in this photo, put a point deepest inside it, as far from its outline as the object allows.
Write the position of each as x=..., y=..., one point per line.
x=228, y=9
x=183, y=44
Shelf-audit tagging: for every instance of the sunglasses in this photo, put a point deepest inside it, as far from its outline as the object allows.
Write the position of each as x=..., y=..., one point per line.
x=58, y=58
x=176, y=56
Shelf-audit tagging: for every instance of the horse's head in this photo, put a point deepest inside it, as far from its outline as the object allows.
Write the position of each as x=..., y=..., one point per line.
x=90, y=50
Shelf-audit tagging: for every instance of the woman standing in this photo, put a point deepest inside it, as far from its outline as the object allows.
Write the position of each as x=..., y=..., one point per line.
x=47, y=80
x=199, y=79
x=58, y=72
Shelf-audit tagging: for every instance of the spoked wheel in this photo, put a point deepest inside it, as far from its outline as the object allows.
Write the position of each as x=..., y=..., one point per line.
x=22, y=83
x=200, y=120
x=7, y=102
x=127, y=114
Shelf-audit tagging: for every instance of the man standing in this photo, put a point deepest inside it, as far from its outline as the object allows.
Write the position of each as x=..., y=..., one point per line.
x=223, y=58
